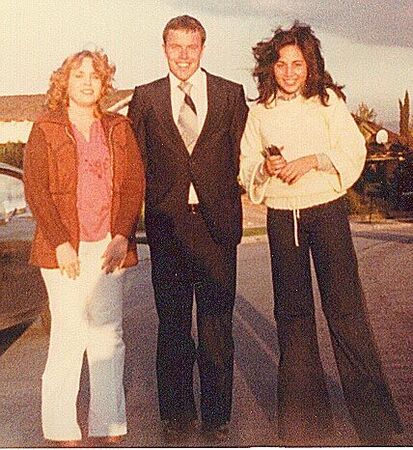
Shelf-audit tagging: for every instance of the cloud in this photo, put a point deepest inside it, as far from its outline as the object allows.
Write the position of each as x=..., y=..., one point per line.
x=376, y=22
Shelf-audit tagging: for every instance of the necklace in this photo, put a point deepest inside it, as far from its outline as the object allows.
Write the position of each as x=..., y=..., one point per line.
x=287, y=98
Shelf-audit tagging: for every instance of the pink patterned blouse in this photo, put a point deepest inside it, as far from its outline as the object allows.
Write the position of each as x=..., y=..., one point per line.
x=94, y=188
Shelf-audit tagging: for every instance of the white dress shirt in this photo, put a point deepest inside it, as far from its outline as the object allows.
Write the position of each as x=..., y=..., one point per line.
x=200, y=99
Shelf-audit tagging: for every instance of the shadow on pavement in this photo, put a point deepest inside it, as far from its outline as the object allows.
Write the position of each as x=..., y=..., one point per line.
x=10, y=335
x=402, y=239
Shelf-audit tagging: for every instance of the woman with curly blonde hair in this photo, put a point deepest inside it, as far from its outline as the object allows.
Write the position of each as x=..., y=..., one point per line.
x=57, y=94
x=84, y=183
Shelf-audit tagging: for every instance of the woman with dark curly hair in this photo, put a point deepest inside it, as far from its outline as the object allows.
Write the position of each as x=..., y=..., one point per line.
x=301, y=151
x=84, y=183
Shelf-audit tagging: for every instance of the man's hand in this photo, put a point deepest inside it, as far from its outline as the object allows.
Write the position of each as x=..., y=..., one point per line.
x=68, y=260
x=115, y=254
x=294, y=170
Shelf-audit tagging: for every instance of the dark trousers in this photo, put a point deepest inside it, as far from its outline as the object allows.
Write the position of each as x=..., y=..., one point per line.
x=303, y=403
x=188, y=263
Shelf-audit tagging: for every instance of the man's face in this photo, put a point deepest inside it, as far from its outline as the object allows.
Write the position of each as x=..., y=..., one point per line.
x=183, y=50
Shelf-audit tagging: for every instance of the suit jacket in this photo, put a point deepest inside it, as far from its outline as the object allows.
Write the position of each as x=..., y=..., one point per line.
x=212, y=167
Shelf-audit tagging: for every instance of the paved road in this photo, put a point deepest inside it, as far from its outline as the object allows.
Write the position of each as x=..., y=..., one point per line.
x=386, y=261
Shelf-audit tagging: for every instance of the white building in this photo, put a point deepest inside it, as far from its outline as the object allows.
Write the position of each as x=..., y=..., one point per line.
x=18, y=112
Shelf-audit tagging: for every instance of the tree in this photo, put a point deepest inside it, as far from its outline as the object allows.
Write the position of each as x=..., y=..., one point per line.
x=366, y=113
x=405, y=119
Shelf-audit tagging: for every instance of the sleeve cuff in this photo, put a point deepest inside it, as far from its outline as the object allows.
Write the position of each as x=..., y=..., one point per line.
x=325, y=164
x=258, y=184
x=260, y=176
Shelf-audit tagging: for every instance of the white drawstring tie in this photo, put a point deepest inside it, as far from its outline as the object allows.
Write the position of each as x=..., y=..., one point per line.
x=296, y=217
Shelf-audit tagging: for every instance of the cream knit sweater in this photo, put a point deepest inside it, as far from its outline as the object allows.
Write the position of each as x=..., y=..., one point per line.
x=303, y=127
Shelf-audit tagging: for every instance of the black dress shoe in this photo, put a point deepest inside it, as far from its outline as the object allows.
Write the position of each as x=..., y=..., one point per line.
x=171, y=429
x=175, y=429
x=215, y=432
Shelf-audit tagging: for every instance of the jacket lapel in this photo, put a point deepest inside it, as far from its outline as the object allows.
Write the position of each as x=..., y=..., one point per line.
x=163, y=110
x=216, y=104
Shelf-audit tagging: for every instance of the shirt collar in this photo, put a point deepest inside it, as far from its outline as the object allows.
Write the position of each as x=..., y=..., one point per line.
x=283, y=97
x=195, y=80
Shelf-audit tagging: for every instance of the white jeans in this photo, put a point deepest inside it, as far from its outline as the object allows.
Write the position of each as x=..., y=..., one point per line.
x=86, y=316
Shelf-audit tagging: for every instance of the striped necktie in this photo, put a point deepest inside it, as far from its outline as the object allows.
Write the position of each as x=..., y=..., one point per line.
x=187, y=119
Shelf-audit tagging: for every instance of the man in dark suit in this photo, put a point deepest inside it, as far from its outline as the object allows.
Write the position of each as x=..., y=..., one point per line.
x=189, y=125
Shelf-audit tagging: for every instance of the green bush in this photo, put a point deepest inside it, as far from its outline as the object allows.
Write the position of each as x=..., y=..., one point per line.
x=12, y=153
x=355, y=203
x=364, y=205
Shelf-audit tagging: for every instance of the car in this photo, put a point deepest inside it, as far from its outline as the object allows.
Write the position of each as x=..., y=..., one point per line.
x=23, y=298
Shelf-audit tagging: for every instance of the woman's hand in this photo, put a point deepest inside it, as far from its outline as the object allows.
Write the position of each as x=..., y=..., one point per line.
x=68, y=260
x=294, y=170
x=273, y=165
x=115, y=254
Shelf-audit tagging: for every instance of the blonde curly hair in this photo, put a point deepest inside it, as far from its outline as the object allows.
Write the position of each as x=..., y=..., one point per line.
x=57, y=95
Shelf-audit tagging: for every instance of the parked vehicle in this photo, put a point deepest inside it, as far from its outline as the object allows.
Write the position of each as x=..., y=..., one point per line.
x=23, y=297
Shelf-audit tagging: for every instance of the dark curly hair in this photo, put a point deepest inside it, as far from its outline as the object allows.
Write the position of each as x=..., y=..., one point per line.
x=267, y=53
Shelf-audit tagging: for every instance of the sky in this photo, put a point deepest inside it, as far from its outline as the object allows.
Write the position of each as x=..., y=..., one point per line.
x=367, y=44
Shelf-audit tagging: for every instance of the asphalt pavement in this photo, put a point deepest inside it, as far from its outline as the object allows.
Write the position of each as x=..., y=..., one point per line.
x=386, y=266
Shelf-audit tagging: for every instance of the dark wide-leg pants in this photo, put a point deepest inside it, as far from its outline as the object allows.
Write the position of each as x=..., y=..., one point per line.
x=188, y=263
x=303, y=403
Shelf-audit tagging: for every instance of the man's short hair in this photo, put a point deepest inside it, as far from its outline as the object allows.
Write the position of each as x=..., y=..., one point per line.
x=184, y=23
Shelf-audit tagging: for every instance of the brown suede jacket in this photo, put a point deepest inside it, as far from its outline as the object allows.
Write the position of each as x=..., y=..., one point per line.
x=50, y=179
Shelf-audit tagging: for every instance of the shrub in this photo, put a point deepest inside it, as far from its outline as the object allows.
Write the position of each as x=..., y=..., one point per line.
x=12, y=153
x=365, y=205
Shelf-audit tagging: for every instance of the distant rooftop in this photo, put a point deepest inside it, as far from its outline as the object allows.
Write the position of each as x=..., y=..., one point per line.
x=372, y=128
x=22, y=108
